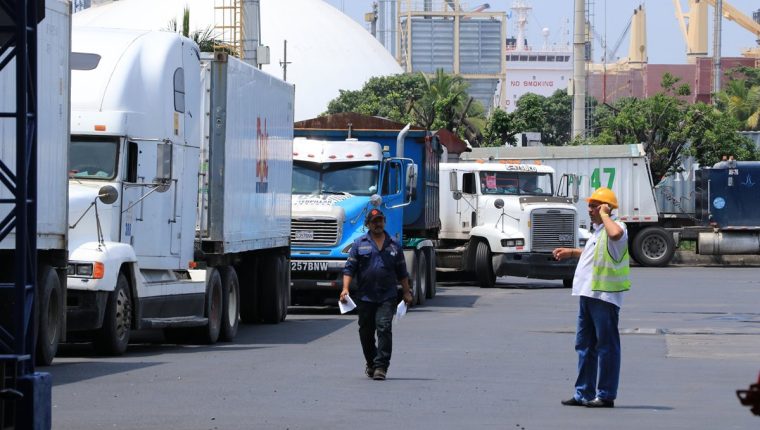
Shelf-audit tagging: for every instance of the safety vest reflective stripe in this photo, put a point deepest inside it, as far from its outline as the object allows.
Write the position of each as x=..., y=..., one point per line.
x=607, y=274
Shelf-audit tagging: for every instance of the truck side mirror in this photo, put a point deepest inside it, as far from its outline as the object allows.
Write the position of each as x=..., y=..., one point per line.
x=108, y=194
x=411, y=181
x=163, y=164
x=453, y=185
x=576, y=187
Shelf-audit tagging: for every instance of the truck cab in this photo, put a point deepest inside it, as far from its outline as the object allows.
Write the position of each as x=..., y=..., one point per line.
x=505, y=219
x=335, y=184
x=343, y=166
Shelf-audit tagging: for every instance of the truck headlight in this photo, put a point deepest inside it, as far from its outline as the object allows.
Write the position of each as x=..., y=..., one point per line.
x=511, y=243
x=94, y=270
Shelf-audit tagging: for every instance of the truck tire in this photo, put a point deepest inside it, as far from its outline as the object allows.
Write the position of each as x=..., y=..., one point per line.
x=484, y=266
x=272, y=291
x=230, y=304
x=113, y=337
x=653, y=247
x=423, y=278
x=213, y=309
x=431, y=290
x=50, y=315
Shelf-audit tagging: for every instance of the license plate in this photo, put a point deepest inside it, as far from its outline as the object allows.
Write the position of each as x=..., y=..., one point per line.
x=308, y=266
x=565, y=237
x=305, y=235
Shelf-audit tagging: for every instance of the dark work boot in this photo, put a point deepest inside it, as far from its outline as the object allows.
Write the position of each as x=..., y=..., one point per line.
x=379, y=374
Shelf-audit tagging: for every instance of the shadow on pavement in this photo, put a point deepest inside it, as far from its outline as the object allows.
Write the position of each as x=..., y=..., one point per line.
x=292, y=331
x=67, y=373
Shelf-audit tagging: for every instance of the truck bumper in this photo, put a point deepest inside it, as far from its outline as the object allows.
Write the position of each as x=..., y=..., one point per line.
x=85, y=309
x=315, y=281
x=534, y=265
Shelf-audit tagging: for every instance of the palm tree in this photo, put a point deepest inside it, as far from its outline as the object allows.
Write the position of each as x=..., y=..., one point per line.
x=742, y=102
x=446, y=104
x=204, y=38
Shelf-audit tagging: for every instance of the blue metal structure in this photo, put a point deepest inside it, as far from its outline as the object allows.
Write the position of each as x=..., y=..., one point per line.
x=24, y=394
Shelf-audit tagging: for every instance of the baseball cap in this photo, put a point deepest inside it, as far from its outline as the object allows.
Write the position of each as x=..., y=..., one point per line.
x=374, y=213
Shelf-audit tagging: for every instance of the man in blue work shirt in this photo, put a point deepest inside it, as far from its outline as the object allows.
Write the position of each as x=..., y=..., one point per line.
x=376, y=260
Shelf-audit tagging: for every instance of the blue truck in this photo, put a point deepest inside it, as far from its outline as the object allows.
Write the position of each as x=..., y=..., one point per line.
x=727, y=202
x=343, y=166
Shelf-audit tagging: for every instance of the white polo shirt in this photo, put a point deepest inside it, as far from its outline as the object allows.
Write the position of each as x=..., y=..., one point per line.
x=582, y=278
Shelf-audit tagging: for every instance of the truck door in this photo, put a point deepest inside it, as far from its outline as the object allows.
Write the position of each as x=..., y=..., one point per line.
x=393, y=195
x=149, y=205
x=466, y=206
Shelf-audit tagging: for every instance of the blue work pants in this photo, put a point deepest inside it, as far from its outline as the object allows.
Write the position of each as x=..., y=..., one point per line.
x=376, y=317
x=597, y=342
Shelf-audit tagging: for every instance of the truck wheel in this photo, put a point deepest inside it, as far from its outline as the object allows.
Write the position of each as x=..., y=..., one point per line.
x=113, y=337
x=50, y=314
x=653, y=247
x=422, y=279
x=484, y=266
x=431, y=289
x=272, y=278
x=213, y=311
x=230, y=304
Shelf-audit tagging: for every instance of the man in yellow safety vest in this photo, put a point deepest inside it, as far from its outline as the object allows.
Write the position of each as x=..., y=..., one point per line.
x=600, y=278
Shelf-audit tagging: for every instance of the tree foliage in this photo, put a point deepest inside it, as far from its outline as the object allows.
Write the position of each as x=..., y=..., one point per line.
x=440, y=101
x=741, y=99
x=669, y=128
x=499, y=129
x=385, y=96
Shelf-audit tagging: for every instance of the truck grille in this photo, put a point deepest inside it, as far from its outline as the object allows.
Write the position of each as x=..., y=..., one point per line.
x=314, y=232
x=552, y=228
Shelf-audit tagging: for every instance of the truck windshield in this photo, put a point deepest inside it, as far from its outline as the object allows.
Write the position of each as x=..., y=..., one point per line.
x=335, y=178
x=516, y=183
x=93, y=158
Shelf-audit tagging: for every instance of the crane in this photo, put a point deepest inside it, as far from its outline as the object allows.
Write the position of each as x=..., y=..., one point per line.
x=695, y=30
x=609, y=52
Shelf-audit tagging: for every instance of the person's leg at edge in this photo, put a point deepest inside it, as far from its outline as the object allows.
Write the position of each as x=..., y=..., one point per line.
x=606, y=316
x=585, y=346
x=367, y=312
x=383, y=324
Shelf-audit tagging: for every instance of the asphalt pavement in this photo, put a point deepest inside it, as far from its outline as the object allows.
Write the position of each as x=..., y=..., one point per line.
x=471, y=358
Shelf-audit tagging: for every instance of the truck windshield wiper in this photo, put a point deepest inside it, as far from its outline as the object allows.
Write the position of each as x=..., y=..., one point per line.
x=334, y=192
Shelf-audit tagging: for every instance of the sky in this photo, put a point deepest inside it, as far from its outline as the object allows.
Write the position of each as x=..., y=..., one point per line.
x=665, y=41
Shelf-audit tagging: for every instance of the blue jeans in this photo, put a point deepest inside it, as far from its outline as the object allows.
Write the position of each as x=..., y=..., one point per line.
x=376, y=317
x=597, y=342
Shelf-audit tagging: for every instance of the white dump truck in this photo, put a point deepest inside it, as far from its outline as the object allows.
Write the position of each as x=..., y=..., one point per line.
x=52, y=144
x=179, y=199
x=502, y=219
x=622, y=168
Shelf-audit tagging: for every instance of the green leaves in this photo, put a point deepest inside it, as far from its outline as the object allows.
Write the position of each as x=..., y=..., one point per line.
x=670, y=128
x=434, y=102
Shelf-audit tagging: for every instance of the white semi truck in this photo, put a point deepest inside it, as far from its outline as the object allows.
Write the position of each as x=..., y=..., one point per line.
x=179, y=199
x=502, y=219
x=52, y=142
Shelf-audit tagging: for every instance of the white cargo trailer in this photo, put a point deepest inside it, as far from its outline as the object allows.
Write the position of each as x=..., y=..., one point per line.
x=54, y=37
x=180, y=189
x=622, y=168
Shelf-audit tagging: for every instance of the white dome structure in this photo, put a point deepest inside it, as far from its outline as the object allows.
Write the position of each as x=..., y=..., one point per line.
x=327, y=50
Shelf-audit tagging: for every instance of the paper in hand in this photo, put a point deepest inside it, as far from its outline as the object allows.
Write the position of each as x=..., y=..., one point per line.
x=346, y=307
x=400, y=310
